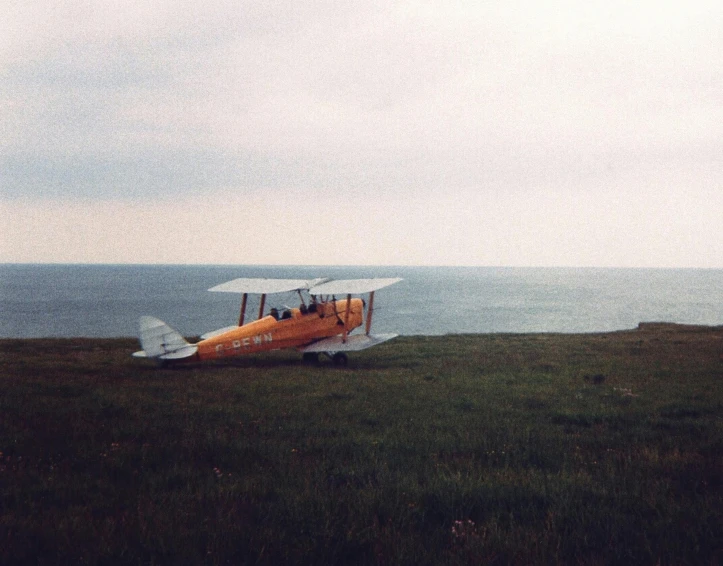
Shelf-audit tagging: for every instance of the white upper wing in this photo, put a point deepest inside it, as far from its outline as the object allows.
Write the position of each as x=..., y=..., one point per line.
x=321, y=286
x=264, y=286
x=352, y=286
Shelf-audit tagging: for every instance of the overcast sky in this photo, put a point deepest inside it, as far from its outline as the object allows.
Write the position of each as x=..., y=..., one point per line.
x=433, y=133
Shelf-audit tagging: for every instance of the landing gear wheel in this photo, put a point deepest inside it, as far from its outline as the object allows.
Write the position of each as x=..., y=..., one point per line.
x=310, y=358
x=340, y=359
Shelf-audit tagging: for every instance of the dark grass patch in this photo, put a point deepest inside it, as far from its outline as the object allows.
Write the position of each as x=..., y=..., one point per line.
x=680, y=412
x=426, y=450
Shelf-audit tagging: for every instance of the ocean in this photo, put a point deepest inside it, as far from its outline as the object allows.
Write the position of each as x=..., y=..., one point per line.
x=107, y=300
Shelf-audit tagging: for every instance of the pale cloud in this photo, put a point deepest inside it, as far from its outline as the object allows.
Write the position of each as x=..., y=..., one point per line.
x=540, y=226
x=510, y=133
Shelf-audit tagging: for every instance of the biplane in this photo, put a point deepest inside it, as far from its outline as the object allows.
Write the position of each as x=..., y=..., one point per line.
x=321, y=324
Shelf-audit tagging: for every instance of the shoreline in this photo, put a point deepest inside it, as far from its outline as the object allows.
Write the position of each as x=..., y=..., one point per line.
x=653, y=326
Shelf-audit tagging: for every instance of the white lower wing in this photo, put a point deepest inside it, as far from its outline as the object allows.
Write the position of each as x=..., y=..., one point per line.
x=352, y=344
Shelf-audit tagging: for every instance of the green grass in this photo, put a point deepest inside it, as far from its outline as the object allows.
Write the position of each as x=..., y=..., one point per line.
x=544, y=449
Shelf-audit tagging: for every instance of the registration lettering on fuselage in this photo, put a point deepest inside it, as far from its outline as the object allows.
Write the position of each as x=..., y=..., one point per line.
x=243, y=343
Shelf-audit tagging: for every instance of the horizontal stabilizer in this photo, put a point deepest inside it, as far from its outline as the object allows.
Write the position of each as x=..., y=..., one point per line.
x=161, y=341
x=354, y=343
x=186, y=352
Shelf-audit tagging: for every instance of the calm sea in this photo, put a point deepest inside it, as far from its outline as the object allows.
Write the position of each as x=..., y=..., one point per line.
x=106, y=300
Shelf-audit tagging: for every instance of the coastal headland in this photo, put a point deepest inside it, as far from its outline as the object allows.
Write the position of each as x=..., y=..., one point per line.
x=486, y=448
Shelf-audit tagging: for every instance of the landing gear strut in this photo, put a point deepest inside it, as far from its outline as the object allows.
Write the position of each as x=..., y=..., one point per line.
x=340, y=359
x=310, y=358
x=337, y=358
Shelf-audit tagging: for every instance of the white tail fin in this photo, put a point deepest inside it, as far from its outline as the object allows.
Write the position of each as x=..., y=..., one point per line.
x=159, y=340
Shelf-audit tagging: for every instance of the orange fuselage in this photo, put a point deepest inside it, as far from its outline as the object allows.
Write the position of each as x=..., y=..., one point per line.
x=296, y=330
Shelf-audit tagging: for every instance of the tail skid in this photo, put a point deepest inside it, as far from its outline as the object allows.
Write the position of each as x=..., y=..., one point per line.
x=162, y=342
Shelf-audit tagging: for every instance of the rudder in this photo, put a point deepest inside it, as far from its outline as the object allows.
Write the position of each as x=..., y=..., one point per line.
x=159, y=340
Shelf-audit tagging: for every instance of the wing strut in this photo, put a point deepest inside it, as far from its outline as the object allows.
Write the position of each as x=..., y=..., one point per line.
x=370, y=310
x=346, y=318
x=243, y=309
x=261, y=307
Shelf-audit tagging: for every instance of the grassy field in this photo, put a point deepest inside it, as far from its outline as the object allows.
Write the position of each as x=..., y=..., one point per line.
x=489, y=449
